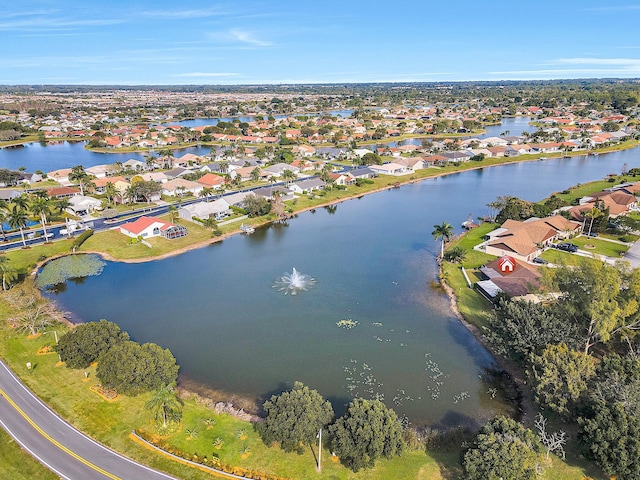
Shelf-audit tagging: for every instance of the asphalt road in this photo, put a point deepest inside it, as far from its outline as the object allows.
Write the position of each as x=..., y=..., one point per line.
x=55, y=443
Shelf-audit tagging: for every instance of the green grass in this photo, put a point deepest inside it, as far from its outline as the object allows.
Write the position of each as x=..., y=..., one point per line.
x=602, y=247
x=17, y=464
x=25, y=259
x=582, y=190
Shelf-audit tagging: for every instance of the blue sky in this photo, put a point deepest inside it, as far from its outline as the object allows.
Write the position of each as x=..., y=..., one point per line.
x=328, y=41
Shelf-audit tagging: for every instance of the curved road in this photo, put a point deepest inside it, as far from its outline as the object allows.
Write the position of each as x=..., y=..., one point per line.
x=55, y=443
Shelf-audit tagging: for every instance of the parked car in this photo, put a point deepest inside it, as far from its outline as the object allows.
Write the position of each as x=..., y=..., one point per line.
x=567, y=247
x=540, y=261
x=591, y=234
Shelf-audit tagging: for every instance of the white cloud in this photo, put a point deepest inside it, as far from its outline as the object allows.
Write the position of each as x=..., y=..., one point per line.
x=247, y=37
x=40, y=23
x=187, y=14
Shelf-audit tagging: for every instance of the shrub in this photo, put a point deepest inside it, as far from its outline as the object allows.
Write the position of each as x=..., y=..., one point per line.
x=81, y=239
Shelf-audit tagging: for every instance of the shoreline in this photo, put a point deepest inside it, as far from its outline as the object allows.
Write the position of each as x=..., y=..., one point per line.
x=526, y=406
x=397, y=184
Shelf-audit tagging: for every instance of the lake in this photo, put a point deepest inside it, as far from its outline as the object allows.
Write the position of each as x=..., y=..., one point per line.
x=373, y=259
x=34, y=156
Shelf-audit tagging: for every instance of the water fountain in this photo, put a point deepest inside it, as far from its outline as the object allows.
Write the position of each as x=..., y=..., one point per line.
x=293, y=282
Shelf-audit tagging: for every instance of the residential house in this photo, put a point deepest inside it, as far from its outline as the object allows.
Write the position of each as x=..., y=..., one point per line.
x=363, y=172
x=526, y=240
x=119, y=182
x=135, y=165
x=457, y=156
x=99, y=171
x=30, y=178
x=306, y=186
x=158, y=177
x=391, y=168
x=180, y=186
x=81, y=205
x=278, y=169
x=268, y=192
x=8, y=194
x=211, y=180
x=342, y=178
x=304, y=150
x=217, y=209
x=147, y=227
x=413, y=163
x=61, y=175
x=63, y=192
x=523, y=279
x=177, y=172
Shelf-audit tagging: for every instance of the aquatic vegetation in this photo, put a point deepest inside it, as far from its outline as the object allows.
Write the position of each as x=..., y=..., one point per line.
x=348, y=323
x=461, y=396
x=70, y=267
x=436, y=377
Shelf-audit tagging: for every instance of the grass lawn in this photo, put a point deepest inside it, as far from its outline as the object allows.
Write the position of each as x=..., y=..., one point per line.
x=119, y=245
x=17, y=464
x=602, y=247
x=473, y=306
x=581, y=190
x=25, y=259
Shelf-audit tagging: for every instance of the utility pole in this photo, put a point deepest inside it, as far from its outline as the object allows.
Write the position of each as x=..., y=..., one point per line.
x=320, y=451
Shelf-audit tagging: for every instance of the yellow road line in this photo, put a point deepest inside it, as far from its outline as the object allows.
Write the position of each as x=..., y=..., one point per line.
x=55, y=442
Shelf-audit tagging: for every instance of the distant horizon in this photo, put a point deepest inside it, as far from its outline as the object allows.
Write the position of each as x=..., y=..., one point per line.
x=325, y=84
x=158, y=42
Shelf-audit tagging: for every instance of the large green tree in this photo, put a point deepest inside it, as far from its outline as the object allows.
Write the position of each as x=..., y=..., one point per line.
x=612, y=436
x=294, y=417
x=256, y=206
x=504, y=450
x=515, y=209
x=559, y=376
x=367, y=431
x=519, y=328
x=601, y=298
x=88, y=341
x=130, y=368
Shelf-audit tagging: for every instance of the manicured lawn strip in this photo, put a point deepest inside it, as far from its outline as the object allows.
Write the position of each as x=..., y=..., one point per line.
x=602, y=247
x=25, y=259
x=17, y=464
x=582, y=190
x=473, y=306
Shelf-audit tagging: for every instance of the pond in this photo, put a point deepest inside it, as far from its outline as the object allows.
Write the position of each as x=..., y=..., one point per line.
x=373, y=260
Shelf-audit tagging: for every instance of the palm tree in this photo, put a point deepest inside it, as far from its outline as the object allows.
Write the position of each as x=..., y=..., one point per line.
x=173, y=213
x=592, y=214
x=8, y=273
x=206, y=192
x=79, y=175
x=17, y=219
x=3, y=219
x=165, y=405
x=110, y=191
x=288, y=175
x=42, y=206
x=444, y=231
